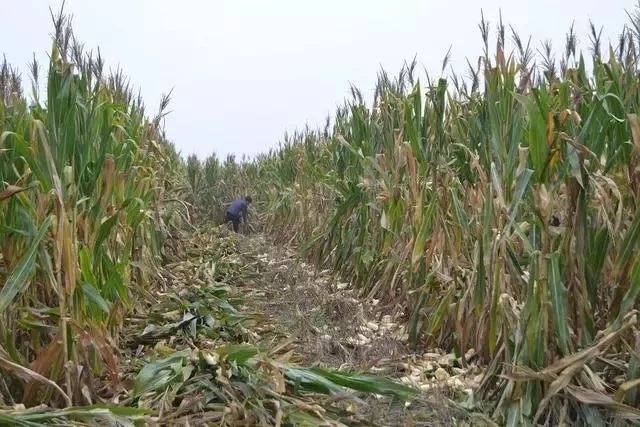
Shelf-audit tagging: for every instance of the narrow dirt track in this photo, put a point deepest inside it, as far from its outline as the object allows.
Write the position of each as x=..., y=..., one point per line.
x=327, y=325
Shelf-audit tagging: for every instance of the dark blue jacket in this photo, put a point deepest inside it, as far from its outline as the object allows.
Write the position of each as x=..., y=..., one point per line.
x=238, y=207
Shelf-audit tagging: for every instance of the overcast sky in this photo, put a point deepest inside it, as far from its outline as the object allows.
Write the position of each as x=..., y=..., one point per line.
x=245, y=71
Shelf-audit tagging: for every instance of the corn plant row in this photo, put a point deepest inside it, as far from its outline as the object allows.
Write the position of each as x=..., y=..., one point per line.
x=499, y=210
x=85, y=187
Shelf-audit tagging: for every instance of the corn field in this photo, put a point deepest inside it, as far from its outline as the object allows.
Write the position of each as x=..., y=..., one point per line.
x=498, y=211
x=115, y=307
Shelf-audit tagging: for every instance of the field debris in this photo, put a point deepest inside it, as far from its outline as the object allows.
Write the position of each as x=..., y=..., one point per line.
x=212, y=346
x=197, y=335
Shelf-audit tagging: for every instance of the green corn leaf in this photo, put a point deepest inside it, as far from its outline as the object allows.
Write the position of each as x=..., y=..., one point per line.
x=86, y=261
x=93, y=295
x=158, y=374
x=238, y=353
x=630, y=297
x=311, y=380
x=521, y=186
x=6, y=230
x=629, y=242
x=438, y=317
x=19, y=277
x=421, y=238
x=105, y=229
x=461, y=215
x=558, y=295
x=368, y=384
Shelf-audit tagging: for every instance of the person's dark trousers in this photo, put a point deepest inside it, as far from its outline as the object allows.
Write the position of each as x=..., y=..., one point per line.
x=235, y=219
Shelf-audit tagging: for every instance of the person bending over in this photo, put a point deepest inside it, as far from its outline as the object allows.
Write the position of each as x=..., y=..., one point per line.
x=237, y=211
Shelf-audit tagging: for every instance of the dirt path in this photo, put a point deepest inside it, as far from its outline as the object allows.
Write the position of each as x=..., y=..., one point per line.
x=330, y=327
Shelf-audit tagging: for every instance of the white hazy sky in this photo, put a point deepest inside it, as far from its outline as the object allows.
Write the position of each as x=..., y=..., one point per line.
x=245, y=71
